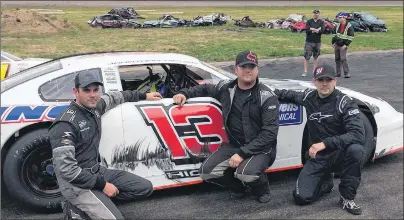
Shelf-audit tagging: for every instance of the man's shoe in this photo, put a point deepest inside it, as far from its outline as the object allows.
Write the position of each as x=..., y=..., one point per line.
x=350, y=206
x=338, y=75
x=347, y=75
x=304, y=74
x=266, y=197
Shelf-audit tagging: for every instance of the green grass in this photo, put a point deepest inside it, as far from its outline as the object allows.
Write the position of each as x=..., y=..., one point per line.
x=206, y=43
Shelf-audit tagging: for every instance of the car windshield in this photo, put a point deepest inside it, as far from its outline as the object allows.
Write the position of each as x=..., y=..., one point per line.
x=224, y=72
x=29, y=74
x=368, y=17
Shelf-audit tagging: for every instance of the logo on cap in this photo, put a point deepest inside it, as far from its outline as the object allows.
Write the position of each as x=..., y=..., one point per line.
x=252, y=57
x=319, y=70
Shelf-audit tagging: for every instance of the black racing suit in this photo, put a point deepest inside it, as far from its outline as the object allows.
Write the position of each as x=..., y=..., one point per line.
x=259, y=124
x=336, y=121
x=75, y=136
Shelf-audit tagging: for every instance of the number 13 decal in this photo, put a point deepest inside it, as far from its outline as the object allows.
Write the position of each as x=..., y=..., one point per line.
x=185, y=130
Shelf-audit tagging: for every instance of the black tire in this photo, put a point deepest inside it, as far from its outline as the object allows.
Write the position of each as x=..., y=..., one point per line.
x=28, y=170
x=370, y=142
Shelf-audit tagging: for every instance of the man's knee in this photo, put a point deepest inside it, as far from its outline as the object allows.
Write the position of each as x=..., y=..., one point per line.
x=146, y=188
x=206, y=172
x=355, y=151
x=248, y=178
x=302, y=199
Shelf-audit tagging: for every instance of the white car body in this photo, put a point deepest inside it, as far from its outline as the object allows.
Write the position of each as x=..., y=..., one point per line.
x=133, y=140
x=11, y=64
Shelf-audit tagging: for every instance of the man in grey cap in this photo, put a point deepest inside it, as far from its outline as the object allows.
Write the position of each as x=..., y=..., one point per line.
x=75, y=136
x=336, y=136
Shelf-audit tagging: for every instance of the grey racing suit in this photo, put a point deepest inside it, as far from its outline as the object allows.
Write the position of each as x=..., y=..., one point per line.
x=75, y=136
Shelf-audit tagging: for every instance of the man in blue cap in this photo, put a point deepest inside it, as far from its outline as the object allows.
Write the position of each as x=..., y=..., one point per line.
x=343, y=35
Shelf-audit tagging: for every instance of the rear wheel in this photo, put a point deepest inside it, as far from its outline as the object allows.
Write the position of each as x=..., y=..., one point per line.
x=28, y=170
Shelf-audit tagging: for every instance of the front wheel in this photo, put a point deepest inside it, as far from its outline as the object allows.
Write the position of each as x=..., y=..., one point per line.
x=29, y=175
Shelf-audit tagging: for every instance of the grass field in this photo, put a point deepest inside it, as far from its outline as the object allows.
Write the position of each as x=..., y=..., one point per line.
x=206, y=43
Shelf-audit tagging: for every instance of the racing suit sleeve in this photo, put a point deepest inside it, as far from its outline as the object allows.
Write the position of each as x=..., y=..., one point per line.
x=286, y=95
x=267, y=137
x=63, y=139
x=203, y=90
x=111, y=99
x=355, y=131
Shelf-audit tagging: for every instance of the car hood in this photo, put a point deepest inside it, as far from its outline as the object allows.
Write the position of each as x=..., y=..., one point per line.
x=373, y=103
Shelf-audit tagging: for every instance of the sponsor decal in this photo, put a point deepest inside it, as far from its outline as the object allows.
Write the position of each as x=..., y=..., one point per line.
x=290, y=114
x=179, y=174
x=25, y=114
x=318, y=116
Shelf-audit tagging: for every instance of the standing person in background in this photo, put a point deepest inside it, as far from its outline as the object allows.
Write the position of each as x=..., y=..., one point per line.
x=343, y=35
x=314, y=29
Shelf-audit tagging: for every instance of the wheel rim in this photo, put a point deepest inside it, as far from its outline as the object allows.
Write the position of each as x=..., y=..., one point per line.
x=38, y=173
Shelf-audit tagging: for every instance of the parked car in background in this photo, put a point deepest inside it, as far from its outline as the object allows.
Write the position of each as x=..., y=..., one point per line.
x=366, y=21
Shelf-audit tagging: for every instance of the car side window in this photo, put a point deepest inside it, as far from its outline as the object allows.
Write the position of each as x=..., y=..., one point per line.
x=137, y=77
x=61, y=88
x=201, y=76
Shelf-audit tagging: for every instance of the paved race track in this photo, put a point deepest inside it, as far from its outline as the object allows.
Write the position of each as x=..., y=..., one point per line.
x=380, y=193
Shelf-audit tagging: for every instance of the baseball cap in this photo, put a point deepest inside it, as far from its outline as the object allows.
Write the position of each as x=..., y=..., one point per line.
x=316, y=11
x=342, y=15
x=323, y=71
x=86, y=78
x=246, y=57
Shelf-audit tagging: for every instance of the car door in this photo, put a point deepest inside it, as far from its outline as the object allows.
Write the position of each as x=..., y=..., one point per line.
x=161, y=139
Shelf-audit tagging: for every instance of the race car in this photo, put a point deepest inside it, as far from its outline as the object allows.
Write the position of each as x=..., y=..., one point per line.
x=157, y=140
x=11, y=64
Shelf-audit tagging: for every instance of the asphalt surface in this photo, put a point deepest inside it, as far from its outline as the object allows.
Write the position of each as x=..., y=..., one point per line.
x=210, y=3
x=380, y=193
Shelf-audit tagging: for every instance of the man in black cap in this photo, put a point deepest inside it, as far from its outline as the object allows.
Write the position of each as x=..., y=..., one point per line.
x=314, y=30
x=251, y=119
x=336, y=136
x=75, y=136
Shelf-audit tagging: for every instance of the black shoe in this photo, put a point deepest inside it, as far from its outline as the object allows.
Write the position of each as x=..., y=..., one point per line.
x=347, y=75
x=266, y=197
x=350, y=206
x=70, y=211
x=337, y=75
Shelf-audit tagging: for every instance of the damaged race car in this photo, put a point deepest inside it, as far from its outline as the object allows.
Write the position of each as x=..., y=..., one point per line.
x=157, y=140
x=126, y=13
x=166, y=21
x=113, y=21
x=365, y=21
x=247, y=22
x=210, y=20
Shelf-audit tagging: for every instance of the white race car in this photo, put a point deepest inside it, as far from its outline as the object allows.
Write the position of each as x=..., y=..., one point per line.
x=153, y=139
x=11, y=64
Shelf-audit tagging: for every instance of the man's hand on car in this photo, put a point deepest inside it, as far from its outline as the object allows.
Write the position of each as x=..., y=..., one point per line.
x=179, y=99
x=152, y=96
x=110, y=190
